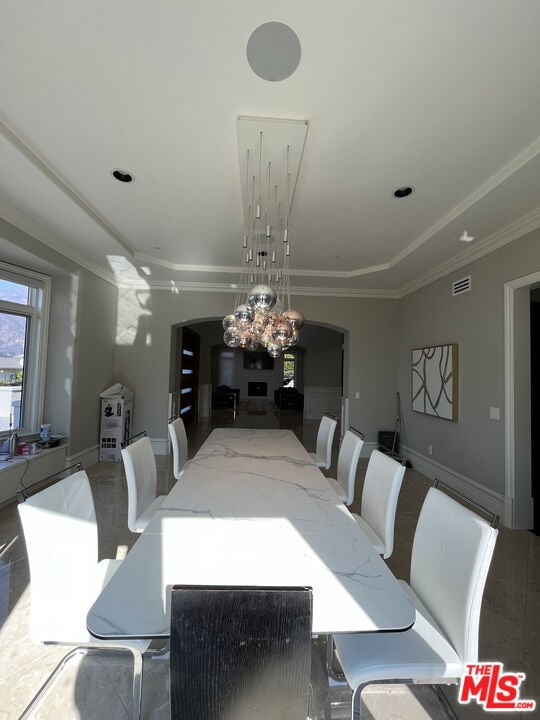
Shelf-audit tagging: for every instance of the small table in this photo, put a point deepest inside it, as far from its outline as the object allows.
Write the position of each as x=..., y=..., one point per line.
x=252, y=509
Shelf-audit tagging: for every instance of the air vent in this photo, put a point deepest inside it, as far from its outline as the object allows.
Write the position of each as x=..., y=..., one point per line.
x=461, y=286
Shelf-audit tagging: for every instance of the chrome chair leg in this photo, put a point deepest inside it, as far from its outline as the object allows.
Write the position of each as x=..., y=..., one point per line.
x=88, y=650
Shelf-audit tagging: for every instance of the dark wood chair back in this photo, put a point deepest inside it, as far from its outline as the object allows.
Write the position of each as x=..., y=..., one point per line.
x=240, y=653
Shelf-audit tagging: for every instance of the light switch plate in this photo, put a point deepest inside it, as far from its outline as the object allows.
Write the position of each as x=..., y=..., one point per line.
x=494, y=413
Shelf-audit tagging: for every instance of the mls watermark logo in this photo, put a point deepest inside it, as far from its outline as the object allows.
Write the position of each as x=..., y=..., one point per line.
x=490, y=686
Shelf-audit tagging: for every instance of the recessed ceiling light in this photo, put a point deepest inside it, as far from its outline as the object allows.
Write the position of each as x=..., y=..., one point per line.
x=403, y=191
x=123, y=176
x=466, y=237
x=273, y=51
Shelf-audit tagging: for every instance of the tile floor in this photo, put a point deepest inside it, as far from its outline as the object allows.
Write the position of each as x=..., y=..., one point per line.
x=96, y=688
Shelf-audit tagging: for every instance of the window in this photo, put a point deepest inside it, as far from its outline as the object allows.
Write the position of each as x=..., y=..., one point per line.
x=24, y=305
x=289, y=369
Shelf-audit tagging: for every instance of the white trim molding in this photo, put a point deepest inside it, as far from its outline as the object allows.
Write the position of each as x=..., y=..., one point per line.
x=490, y=500
x=160, y=446
x=88, y=456
x=518, y=503
x=513, y=231
x=46, y=169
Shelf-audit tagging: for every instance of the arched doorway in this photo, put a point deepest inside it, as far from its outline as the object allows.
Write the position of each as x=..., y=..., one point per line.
x=321, y=371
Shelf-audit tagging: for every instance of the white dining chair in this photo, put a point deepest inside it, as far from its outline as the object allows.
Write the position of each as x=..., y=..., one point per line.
x=141, y=476
x=322, y=457
x=179, y=444
x=380, y=493
x=349, y=454
x=60, y=531
x=451, y=555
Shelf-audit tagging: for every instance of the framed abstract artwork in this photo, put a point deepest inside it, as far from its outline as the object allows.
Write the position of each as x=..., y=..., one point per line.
x=435, y=381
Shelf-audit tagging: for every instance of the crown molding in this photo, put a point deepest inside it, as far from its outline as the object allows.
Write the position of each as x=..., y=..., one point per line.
x=513, y=231
x=233, y=270
x=223, y=269
x=63, y=246
x=496, y=179
x=345, y=292
x=56, y=242
x=186, y=286
x=62, y=184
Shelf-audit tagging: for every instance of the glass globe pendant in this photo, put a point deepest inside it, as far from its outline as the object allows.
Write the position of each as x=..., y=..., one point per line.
x=228, y=321
x=243, y=313
x=274, y=349
x=231, y=338
x=262, y=298
x=294, y=318
x=282, y=332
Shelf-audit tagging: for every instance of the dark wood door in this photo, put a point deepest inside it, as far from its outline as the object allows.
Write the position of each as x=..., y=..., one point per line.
x=188, y=374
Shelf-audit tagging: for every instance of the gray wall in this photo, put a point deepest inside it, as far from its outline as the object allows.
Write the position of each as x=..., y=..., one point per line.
x=322, y=358
x=143, y=349
x=473, y=446
x=93, y=356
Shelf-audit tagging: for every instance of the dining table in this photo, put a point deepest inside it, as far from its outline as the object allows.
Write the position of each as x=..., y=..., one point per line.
x=251, y=509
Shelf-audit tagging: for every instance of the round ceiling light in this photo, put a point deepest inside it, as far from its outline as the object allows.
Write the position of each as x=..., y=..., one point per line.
x=273, y=51
x=123, y=176
x=403, y=191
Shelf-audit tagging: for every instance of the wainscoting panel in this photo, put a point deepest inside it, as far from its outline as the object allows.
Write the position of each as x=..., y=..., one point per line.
x=319, y=400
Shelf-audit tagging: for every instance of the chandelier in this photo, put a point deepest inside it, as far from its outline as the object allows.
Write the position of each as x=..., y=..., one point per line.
x=270, y=152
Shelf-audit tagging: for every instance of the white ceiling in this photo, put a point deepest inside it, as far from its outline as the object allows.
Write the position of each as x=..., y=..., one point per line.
x=441, y=96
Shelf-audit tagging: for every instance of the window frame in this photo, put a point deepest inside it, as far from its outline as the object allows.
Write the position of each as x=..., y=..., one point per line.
x=293, y=352
x=37, y=311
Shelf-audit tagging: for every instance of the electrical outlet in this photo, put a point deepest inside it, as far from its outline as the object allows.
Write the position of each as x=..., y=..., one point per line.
x=430, y=449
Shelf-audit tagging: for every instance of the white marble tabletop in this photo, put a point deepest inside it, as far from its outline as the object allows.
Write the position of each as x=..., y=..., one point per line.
x=252, y=509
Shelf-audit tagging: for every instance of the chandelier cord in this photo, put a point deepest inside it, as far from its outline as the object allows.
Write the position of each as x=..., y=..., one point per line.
x=263, y=315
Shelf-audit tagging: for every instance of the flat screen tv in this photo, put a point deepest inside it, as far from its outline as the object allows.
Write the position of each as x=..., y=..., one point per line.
x=258, y=361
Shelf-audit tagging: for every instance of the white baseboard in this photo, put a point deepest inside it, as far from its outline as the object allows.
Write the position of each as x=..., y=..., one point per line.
x=479, y=494
x=160, y=446
x=86, y=457
x=90, y=455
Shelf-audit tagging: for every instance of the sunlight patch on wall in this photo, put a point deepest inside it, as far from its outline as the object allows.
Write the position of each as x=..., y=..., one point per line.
x=125, y=272
x=132, y=320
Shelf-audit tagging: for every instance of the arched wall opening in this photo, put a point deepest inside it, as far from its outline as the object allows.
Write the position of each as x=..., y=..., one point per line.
x=322, y=366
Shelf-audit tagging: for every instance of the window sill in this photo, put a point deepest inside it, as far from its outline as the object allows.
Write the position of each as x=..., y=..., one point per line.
x=25, y=470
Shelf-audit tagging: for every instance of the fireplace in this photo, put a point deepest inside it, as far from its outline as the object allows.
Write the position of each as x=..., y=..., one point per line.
x=257, y=389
